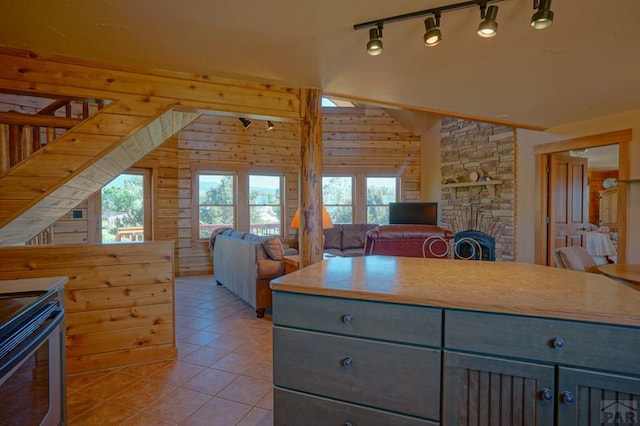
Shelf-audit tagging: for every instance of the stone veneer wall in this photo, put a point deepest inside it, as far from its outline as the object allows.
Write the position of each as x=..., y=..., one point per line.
x=490, y=150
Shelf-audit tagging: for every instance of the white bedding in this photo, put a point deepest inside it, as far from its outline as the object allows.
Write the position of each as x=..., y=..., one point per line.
x=599, y=246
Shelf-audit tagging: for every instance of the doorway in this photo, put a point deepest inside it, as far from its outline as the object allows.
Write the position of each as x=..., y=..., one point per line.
x=544, y=159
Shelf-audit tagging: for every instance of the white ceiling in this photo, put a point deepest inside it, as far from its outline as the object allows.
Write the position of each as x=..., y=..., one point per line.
x=584, y=66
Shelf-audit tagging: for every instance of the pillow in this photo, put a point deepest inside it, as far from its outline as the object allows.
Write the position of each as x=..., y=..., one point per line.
x=273, y=247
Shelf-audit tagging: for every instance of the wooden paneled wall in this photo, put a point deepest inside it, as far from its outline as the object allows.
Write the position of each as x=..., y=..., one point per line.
x=220, y=144
x=367, y=140
x=596, y=178
x=356, y=141
x=119, y=300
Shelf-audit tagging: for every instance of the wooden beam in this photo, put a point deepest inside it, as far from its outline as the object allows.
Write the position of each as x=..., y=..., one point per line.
x=54, y=106
x=38, y=120
x=310, y=224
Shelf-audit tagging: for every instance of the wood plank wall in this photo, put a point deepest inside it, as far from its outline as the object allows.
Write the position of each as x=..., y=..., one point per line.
x=357, y=141
x=119, y=300
x=596, y=178
x=220, y=144
x=367, y=140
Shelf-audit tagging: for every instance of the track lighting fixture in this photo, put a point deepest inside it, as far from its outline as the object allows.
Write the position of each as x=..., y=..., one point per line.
x=245, y=122
x=432, y=36
x=270, y=125
x=543, y=18
x=488, y=27
x=374, y=45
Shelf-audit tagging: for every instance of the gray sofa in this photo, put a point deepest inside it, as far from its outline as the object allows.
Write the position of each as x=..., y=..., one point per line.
x=245, y=263
x=346, y=239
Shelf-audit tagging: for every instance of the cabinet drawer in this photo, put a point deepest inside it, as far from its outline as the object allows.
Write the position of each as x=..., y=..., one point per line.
x=591, y=345
x=376, y=320
x=291, y=408
x=389, y=376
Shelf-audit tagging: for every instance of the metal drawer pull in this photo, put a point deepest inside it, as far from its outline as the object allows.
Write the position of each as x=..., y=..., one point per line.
x=546, y=394
x=567, y=398
x=347, y=361
x=347, y=318
x=557, y=343
x=348, y=424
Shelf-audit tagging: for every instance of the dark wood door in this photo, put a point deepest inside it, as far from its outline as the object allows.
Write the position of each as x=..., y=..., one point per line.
x=568, y=203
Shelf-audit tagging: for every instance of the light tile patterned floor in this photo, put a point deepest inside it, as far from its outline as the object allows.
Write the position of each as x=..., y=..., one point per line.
x=223, y=375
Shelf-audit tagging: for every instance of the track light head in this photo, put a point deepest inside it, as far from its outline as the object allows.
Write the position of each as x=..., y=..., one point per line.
x=543, y=18
x=245, y=122
x=374, y=45
x=488, y=27
x=270, y=125
x=432, y=36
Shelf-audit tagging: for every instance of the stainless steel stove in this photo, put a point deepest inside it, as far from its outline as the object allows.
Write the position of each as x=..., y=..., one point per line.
x=31, y=358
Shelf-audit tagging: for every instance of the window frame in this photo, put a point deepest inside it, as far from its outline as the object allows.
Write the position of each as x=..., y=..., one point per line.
x=398, y=197
x=281, y=204
x=353, y=194
x=196, y=199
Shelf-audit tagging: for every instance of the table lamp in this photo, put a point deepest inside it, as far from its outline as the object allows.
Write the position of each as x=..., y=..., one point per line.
x=326, y=219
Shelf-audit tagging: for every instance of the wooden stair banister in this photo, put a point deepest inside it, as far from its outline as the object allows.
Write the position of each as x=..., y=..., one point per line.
x=41, y=189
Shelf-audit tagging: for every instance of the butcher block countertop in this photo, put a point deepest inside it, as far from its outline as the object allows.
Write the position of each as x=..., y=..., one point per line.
x=500, y=287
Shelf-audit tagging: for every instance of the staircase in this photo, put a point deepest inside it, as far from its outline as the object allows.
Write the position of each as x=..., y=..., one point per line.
x=38, y=190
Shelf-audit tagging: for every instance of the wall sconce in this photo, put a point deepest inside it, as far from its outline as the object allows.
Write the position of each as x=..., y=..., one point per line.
x=270, y=125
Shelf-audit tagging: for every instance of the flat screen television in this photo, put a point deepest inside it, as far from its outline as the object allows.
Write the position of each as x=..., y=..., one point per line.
x=416, y=213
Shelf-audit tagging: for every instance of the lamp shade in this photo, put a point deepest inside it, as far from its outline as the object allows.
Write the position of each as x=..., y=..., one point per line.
x=326, y=219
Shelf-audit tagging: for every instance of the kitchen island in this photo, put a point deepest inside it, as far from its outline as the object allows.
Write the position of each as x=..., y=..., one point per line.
x=392, y=340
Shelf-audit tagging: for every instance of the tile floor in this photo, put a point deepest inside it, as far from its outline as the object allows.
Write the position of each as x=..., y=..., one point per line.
x=223, y=374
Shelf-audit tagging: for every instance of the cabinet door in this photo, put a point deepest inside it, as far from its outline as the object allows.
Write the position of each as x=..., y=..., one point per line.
x=588, y=398
x=480, y=390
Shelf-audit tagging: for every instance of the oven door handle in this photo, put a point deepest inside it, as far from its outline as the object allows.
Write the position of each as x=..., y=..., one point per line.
x=40, y=335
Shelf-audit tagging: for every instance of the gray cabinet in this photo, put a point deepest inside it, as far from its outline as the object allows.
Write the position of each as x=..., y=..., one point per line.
x=353, y=361
x=493, y=391
x=597, y=398
x=525, y=369
x=348, y=362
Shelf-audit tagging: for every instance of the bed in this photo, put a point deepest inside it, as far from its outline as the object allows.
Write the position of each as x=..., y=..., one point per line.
x=600, y=246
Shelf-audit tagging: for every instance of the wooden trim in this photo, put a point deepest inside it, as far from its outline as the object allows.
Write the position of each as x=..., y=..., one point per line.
x=622, y=138
x=602, y=139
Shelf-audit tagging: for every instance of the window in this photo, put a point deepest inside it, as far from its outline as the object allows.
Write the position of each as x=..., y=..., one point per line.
x=216, y=205
x=125, y=208
x=265, y=205
x=337, y=196
x=380, y=192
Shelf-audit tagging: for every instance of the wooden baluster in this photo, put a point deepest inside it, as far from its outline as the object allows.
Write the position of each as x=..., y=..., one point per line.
x=27, y=142
x=4, y=148
x=14, y=145
x=67, y=110
x=85, y=110
x=51, y=134
x=36, y=138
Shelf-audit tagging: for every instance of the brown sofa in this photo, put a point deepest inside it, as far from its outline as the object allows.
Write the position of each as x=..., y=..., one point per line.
x=409, y=240
x=245, y=264
x=346, y=239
